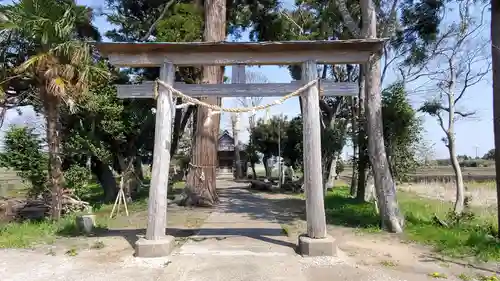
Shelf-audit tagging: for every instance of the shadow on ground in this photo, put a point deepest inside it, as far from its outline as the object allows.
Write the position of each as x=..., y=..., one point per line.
x=340, y=208
x=280, y=208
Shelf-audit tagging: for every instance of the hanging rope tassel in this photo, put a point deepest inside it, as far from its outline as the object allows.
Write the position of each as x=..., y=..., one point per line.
x=208, y=120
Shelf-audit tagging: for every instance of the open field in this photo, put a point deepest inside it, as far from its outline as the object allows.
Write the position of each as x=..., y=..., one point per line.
x=444, y=174
x=440, y=173
x=10, y=184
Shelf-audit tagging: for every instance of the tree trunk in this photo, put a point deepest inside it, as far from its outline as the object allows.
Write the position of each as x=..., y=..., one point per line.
x=495, y=52
x=131, y=182
x=176, y=132
x=332, y=172
x=362, y=179
x=290, y=173
x=265, y=160
x=355, y=153
x=253, y=171
x=391, y=217
x=325, y=169
x=369, y=194
x=180, y=123
x=201, y=181
x=51, y=104
x=235, y=126
x=458, y=207
x=106, y=178
x=138, y=168
x=361, y=124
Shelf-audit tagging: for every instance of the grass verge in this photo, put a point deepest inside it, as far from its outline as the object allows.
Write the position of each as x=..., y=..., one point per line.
x=470, y=238
x=30, y=233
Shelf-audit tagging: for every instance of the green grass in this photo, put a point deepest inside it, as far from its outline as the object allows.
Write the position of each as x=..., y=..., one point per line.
x=484, y=184
x=31, y=233
x=468, y=239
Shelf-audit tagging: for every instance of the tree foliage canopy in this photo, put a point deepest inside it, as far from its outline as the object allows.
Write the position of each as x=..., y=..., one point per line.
x=402, y=130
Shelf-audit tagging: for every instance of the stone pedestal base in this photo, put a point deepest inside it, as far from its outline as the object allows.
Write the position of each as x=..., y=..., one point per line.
x=85, y=223
x=317, y=247
x=154, y=248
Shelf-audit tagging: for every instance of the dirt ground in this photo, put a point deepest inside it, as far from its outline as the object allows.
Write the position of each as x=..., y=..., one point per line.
x=118, y=240
x=378, y=250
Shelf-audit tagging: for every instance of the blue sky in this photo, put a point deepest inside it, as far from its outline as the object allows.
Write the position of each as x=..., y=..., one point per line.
x=477, y=132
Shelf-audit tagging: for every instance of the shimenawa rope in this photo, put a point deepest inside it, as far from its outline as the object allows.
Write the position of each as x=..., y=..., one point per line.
x=233, y=110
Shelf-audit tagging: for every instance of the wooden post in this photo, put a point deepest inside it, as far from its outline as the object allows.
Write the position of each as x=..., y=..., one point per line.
x=315, y=210
x=157, y=204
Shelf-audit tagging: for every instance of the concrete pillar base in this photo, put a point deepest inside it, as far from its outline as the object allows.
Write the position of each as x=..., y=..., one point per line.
x=317, y=247
x=154, y=248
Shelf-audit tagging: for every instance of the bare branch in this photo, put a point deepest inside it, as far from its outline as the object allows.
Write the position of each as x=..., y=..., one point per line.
x=471, y=80
x=441, y=122
x=301, y=30
x=390, y=21
x=465, y=114
x=348, y=20
x=155, y=23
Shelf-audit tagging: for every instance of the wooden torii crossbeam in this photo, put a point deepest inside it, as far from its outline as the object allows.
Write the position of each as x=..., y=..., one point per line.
x=327, y=88
x=307, y=53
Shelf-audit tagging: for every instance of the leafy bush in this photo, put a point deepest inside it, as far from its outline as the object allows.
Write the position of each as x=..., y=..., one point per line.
x=443, y=162
x=77, y=179
x=474, y=163
x=490, y=155
x=23, y=153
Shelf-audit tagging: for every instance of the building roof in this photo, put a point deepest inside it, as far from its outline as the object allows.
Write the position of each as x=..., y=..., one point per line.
x=259, y=47
x=226, y=134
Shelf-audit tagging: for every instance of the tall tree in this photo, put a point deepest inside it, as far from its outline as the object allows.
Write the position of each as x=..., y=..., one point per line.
x=391, y=216
x=140, y=20
x=457, y=63
x=201, y=180
x=402, y=131
x=495, y=53
x=61, y=66
x=385, y=187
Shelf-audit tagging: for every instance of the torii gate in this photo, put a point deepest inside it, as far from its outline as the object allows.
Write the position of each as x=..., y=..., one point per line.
x=315, y=242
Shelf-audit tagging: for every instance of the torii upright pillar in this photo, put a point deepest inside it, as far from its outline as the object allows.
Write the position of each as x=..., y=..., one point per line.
x=315, y=242
x=156, y=242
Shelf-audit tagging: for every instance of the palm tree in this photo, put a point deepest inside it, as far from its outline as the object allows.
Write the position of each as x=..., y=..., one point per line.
x=60, y=64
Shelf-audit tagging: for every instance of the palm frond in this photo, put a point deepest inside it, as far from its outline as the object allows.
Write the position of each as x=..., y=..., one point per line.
x=34, y=62
x=57, y=86
x=63, y=64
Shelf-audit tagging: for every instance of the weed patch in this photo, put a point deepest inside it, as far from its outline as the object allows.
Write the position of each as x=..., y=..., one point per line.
x=474, y=238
